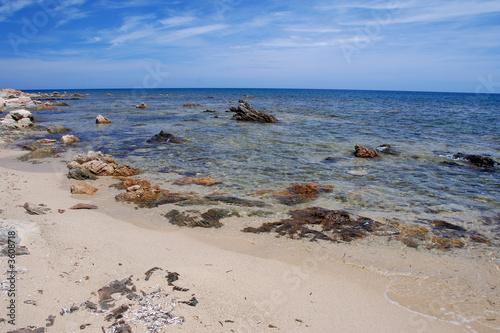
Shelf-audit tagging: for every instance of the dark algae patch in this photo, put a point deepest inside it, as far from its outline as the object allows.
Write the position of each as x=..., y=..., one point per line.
x=320, y=223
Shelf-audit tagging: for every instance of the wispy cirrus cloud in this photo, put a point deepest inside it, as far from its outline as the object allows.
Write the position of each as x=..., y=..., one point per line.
x=10, y=7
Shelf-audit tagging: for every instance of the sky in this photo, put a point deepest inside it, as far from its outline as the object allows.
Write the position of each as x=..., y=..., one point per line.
x=422, y=45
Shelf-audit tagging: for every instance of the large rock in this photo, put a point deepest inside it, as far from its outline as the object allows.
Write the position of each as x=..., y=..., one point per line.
x=97, y=163
x=362, y=151
x=41, y=152
x=100, y=119
x=20, y=114
x=69, y=139
x=2, y=105
x=246, y=112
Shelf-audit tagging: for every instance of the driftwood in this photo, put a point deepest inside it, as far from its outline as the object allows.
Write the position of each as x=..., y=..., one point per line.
x=246, y=112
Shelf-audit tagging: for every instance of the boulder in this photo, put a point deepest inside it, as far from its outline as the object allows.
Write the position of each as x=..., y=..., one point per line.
x=83, y=188
x=164, y=137
x=20, y=114
x=142, y=106
x=362, y=151
x=102, y=120
x=69, y=139
x=2, y=105
x=80, y=174
x=246, y=112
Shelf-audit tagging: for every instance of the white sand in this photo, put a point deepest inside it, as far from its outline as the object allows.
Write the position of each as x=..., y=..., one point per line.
x=243, y=282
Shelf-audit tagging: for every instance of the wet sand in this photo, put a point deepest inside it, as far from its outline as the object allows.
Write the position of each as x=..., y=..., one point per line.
x=242, y=282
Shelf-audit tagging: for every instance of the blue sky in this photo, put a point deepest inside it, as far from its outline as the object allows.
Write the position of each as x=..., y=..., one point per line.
x=383, y=45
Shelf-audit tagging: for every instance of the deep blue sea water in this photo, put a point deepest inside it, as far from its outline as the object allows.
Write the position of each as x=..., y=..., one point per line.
x=312, y=142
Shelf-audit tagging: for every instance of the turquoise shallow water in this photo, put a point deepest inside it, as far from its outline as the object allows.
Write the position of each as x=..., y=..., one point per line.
x=312, y=142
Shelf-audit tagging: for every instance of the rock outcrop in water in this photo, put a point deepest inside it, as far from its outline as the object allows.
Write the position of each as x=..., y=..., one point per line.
x=100, y=119
x=362, y=151
x=17, y=119
x=245, y=112
x=164, y=137
x=477, y=160
x=98, y=164
x=297, y=193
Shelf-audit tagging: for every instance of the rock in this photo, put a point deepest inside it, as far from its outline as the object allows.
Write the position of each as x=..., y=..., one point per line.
x=99, y=168
x=388, y=149
x=142, y=106
x=198, y=181
x=335, y=225
x=60, y=104
x=42, y=152
x=56, y=129
x=361, y=151
x=45, y=141
x=98, y=164
x=297, y=193
x=478, y=160
x=35, y=209
x=209, y=219
x=102, y=120
x=83, y=188
x=69, y=139
x=80, y=174
x=20, y=114
x=188, y=105
x=246, y=112
x=164, y=137
x=236, y=201
x=2, y=105
x=83, y=206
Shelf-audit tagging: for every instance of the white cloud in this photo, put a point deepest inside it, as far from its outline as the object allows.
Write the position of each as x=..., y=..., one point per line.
x=190, y=32
x=176, y=21
x=10, y=7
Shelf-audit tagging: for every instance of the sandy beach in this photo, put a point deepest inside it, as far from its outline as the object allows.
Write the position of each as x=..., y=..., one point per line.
x=240, y=282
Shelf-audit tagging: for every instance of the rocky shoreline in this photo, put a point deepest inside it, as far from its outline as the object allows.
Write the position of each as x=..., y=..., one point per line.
x=308, y=222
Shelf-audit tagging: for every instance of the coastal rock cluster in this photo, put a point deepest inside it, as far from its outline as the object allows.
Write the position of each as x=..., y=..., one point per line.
x=97, y=164
x=245, y=112
x=17, y=119
x=11, y=99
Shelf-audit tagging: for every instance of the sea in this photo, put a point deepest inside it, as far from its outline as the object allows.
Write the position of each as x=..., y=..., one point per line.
x=313, y=141
x=425, y=179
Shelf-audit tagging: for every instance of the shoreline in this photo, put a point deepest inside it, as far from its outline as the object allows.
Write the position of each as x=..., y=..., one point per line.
x=228, y=281
x=227, y=272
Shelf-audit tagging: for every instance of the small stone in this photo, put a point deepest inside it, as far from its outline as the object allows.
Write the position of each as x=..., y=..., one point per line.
x=33, y=209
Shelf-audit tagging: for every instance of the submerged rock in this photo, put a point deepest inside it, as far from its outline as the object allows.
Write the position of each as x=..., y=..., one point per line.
x=388, y=150
x=245, y=112
x=142, y=106
x=320, y=223
x=362, y=151
x=236, y=201
x=164, y=137
x=209, y=219
x=478, y=160
x=57, y=129
x=297, y=193
x=198, y=181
